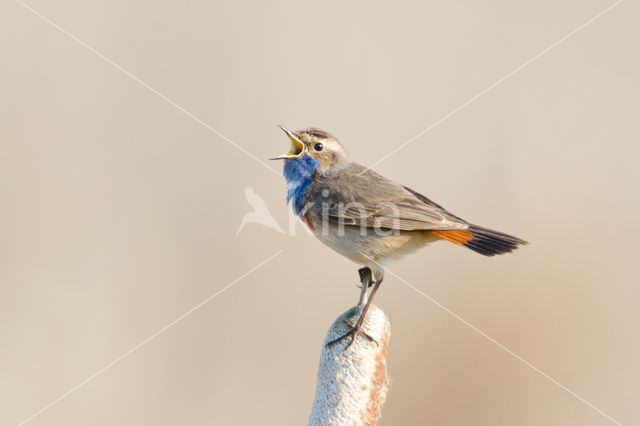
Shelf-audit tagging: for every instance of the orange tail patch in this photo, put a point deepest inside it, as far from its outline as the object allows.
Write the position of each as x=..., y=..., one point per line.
x=458, y=237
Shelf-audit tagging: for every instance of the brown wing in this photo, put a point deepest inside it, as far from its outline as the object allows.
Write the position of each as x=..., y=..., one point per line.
x=358, y=196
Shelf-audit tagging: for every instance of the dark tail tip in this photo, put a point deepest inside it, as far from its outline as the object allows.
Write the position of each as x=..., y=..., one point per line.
x=490, y=243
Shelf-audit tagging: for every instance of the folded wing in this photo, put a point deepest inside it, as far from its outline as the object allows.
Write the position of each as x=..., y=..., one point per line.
x=358, y=196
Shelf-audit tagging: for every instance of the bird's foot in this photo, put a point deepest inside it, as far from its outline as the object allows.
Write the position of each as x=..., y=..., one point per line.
x=366, y=276
x=352, y=333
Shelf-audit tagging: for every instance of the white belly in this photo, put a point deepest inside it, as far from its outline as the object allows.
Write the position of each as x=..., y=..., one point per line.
x=365, y=247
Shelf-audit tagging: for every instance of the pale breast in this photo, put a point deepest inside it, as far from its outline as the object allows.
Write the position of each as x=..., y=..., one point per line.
x=366, y=247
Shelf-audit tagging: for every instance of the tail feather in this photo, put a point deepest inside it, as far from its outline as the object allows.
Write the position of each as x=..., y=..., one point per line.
x=484, y=241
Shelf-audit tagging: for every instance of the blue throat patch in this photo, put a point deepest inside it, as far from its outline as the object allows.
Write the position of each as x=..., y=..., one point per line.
x=298, y=172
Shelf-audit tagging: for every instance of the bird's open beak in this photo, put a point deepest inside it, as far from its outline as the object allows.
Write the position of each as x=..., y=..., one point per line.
x=297, y=146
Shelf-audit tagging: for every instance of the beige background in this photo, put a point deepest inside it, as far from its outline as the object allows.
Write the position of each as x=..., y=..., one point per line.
x=119, y=212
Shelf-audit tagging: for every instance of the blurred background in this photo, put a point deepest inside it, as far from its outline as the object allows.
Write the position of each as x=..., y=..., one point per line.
x=119, y=211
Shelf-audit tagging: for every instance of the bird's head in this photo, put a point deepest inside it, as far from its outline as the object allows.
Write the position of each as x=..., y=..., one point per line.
x=315, y=143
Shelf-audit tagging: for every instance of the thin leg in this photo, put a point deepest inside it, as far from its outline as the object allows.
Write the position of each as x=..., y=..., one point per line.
x=356, y=329
x=366, y=279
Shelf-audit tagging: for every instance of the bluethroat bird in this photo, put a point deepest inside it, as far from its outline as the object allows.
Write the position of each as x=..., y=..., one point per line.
x=367, y=217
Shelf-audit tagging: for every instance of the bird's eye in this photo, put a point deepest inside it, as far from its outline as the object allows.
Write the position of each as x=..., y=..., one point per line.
x=318, y=146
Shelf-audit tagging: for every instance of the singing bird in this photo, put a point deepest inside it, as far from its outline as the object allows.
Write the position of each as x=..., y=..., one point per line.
x=368, y=218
